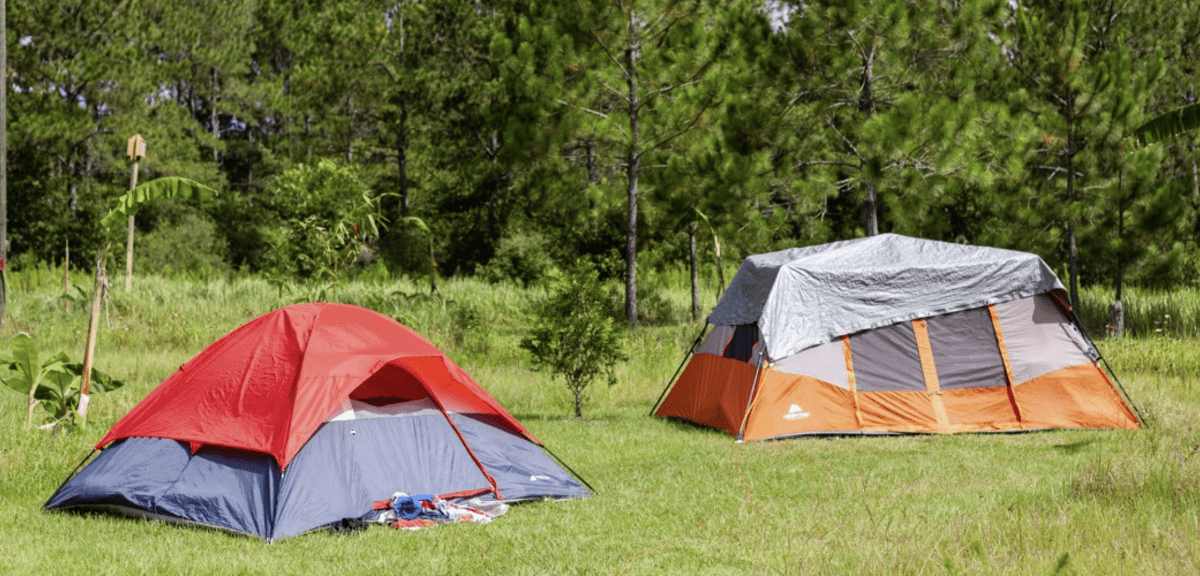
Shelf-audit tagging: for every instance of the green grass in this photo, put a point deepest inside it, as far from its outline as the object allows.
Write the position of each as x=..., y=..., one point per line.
x=671, y=498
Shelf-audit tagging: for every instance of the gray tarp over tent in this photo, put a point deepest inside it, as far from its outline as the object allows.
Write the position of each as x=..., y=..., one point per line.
x=892, y=334
x=802, y=297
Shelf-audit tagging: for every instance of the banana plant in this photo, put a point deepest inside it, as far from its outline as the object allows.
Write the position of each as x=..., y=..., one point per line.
x=419, y=224
x=128, y=205
x=1168, y=125
x=54, y=384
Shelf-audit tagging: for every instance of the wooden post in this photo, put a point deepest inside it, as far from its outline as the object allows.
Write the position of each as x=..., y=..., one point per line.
x=93, y=329
x=136, y=149
x=67, y=275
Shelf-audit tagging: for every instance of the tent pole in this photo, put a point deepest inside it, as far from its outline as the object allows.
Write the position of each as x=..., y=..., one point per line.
x=1079, y=325
x=73, y=473
x=695, y=343
x=749, y=403
x=568, y=467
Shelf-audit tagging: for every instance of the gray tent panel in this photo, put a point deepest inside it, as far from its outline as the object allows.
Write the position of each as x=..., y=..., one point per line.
x=1039, y=338
x=343, y=467
x=826, y=362
x=522, y=470
x=108, y=480
x=160, y=478
x=887, y=359
x=716, y=341
x=348, y=464
x=965, y=350
x=226, y=488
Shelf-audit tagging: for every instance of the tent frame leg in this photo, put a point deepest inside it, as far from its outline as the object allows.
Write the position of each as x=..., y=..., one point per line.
x=569, y=469
x=1079, y=325
x=686, y=357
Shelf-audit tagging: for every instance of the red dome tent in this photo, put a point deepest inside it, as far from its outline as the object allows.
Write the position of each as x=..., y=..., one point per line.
x=263, y=394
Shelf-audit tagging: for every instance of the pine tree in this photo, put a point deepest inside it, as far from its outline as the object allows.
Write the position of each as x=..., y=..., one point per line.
x=1085, y=91
x=644, y=86
x=872, y=116
x=76, y=73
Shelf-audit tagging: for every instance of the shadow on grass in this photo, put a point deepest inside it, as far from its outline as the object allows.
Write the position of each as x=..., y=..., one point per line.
x=1074, y=447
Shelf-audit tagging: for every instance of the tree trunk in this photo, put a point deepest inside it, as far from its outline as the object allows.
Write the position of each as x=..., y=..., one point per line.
x=432, y=268
x=214, y=120
x=1072, y=249
x=1191, y=146
x=866, y=105
x=720, y=265
x=3, y=159
x=66, y=271
x=72, y=187
x=695, y=273
x=129, y=236
x=1116, y=309
x=402, y=158
x=593, y=175
x=1116, y=319
x=633, y=170
x=870, y=211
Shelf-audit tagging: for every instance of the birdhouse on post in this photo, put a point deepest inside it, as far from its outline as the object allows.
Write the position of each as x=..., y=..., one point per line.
x=136, y=147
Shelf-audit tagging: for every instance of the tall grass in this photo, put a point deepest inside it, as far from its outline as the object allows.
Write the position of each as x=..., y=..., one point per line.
x=1174, y=314
x=671, y=498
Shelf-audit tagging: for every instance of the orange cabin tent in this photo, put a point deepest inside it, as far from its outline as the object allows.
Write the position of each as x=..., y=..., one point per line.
x=891, y=334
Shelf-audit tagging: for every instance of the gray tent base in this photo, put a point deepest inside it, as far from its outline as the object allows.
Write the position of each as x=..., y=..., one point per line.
x=343, y=468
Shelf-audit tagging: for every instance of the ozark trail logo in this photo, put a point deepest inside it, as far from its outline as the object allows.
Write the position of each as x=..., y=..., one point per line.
x=795, y=413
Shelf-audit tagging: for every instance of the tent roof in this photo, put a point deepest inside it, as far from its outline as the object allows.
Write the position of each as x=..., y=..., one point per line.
x=268, y=385
x=802, y=297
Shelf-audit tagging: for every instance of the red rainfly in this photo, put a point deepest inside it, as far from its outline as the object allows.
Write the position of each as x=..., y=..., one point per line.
x=268, y=385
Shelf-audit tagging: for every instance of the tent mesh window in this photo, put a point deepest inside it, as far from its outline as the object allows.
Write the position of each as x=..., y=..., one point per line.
x=965, y=350
x=886, y=360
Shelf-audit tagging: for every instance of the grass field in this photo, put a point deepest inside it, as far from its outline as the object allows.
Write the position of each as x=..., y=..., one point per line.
x=670, y=498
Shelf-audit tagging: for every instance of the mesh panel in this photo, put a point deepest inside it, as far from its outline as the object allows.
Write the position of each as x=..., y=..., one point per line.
x=886, y=359
x=965, y=350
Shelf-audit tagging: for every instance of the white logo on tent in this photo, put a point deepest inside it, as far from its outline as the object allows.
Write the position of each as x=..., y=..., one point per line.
x=536, y=478
x=795, y=413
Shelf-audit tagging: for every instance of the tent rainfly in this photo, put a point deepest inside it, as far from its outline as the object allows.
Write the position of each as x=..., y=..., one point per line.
x=303, y=417
x=890, y=334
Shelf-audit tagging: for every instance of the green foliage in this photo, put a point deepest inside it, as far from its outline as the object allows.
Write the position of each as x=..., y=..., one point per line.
x=55, y=383
x=573, y=336
x=187, y=244
x=329, y=219
x=157, y=189
x=1168, y=125
x=522, y=257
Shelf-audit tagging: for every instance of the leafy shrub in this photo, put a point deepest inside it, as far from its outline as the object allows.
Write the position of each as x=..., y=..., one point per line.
x=329, y=217
x=189, y=246
x=522, y=258
x=54, y=384
x=574, y=335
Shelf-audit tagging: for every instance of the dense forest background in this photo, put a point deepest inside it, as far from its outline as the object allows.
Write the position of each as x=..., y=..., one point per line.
x=503, y=138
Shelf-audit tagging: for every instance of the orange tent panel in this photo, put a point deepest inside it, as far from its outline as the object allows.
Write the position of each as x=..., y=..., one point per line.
x=787, y=404
x=898, y=411
x=712, y=391
x=1076, y=397
x=980, y=409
